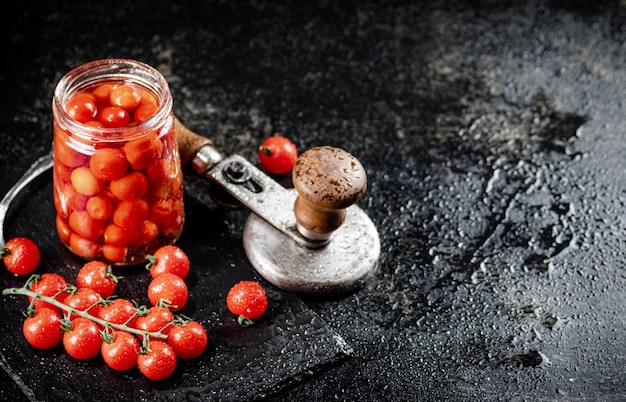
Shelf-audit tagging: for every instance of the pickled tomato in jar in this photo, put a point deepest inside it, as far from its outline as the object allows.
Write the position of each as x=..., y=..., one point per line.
x=118, y=188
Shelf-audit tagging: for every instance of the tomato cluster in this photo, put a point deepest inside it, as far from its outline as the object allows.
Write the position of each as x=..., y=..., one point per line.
x=118, y=197
x=88, y=322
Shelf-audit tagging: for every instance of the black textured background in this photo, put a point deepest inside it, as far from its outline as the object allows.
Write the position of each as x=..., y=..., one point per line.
x=493, y=137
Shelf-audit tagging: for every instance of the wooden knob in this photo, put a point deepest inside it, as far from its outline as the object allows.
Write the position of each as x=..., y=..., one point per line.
x=328, y=180
x=189, y=143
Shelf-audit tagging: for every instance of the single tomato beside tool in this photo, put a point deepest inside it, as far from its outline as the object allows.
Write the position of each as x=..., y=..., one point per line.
x=247, y=299
x=20, y=255
x=278, y=154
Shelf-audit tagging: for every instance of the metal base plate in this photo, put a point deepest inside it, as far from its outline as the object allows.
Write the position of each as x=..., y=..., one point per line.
x=340, y=266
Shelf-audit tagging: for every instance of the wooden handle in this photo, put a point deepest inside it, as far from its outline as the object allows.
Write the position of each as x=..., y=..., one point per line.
x=328, y=180
x=188, y=143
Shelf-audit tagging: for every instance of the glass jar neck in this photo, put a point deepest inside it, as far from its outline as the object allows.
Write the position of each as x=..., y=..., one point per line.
x=114, y=71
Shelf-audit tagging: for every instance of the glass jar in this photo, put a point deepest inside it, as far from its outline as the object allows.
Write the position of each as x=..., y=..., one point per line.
x=118, y=188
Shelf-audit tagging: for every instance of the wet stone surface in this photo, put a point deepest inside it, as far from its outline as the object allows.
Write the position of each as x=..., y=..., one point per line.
x=493, y=138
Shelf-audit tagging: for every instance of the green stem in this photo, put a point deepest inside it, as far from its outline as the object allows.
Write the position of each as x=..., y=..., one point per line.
x=84, y=314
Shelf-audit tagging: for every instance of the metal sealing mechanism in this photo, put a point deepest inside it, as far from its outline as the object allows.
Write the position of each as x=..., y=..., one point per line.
x=333, y=262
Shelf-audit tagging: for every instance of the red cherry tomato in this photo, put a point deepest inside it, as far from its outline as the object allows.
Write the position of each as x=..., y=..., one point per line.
x=20, y=255
x=63, y=229
x=51, y=285
x=84, y=247
x=114, y=253
x=159, y=362
x=43, y=330
x=113, y=116
x=120, y=236
x=65, y=152
x=278, y=154
x=131, y=213
x=169, y=289
x=130, y=186
x=99, y=207
x=82, y=341
x=86, y=226
x=84, y=299
x=169, y=259
x=247, y=299
x=126, y=96
x=98, y=276
x=108, y=163
x=188, y=340
x=119, y=311
x=148, y=232
x=142, y=152
x=102, y=93
x=144, y=112
x=82, y=107
x=120, y=350
x=156, y=320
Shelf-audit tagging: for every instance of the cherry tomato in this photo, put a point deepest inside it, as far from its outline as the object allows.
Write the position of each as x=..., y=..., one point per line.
x=63, y=229
x=98, y=276
x=170, y=289
x=20, y=255
x=102, y=93
x=84, y=247
x=82, y=341
x=188, y=340
x=43, y=330
x=126, y=96
x=85, y=182
x=278, y=154
x=82, y=107
x=113, y=117
x=130, y=186
x=131, y=213
x=72, y=200
x=157, y=318
x=86, y=226
x=120, y=236
x=94, y=123
x=99, y=207
x=114, y=253
x=165, y=177
x=120, y=352
x=119, y=311
x=51, y=285
x=84, y=299
x=169, y=259
x=142, y=152
x=144, y=112
x=147, y=232
x=247, y=299
x=64, y=151
x=108, y=163
x=159, y=362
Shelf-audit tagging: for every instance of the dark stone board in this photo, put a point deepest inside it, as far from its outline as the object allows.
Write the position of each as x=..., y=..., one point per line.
x=492, y=133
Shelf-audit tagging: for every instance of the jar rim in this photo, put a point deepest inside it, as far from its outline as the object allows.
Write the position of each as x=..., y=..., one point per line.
x=111, y=69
